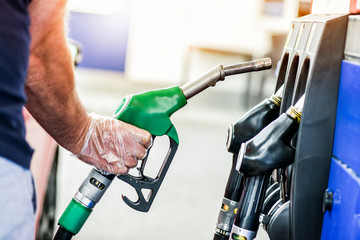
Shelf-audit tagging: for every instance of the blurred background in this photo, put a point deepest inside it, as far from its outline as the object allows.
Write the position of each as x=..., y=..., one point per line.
x=130, y=46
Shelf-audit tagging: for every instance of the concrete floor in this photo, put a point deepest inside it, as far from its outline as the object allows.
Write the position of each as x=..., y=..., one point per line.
x=188, y=202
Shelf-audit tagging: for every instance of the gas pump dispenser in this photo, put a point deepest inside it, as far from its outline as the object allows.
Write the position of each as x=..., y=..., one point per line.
x=319, y=49
x=292, y=208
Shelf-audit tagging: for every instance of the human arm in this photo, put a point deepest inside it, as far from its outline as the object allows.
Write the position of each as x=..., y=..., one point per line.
x=53, y=101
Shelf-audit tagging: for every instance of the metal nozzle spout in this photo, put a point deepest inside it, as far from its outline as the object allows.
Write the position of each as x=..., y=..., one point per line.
x=256, y=65
x=210, y=78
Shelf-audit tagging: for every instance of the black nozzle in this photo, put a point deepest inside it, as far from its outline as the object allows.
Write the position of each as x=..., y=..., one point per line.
x=251, y=124
x=271, y=148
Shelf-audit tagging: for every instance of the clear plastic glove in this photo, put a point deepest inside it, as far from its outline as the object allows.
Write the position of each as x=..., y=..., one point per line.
x=114, y=146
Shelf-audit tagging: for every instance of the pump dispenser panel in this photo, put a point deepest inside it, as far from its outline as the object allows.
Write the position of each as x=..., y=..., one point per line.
x=341, y=200
x=310, y=65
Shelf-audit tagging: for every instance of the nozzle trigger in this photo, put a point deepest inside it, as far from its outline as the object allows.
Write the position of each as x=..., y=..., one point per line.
x=143, y=182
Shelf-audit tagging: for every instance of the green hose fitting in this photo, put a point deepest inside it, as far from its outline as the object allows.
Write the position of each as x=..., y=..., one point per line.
x=74, y=216
x=151, y=110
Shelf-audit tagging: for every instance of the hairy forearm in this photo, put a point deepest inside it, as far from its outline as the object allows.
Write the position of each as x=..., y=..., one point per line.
x=110, y=145
x=52, y=98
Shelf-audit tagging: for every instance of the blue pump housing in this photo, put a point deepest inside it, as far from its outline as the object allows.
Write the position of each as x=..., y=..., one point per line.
x=343, y=220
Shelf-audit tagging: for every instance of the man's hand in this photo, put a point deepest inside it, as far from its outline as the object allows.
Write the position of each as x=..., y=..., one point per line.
x=114, y=146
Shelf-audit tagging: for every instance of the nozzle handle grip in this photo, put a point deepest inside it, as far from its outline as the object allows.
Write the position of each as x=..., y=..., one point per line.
x=151, y=111
x=143, y=203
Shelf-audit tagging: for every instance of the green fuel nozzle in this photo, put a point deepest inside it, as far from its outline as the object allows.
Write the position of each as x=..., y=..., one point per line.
x=152, y=111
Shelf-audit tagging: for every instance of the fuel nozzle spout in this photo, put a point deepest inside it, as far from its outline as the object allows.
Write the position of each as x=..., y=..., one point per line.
x=218, y=73
x=271, y=148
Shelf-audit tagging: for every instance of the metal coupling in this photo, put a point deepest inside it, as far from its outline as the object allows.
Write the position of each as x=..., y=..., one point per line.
x=295, y=111
x=277, y=97
x=93, y=188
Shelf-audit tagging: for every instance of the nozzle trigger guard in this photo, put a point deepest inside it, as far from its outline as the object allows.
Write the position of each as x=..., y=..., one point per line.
x=141, y=182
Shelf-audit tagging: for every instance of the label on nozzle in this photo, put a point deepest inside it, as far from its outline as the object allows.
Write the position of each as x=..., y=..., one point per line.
x=227, y=214
x=238, y=233
x=96, y=183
